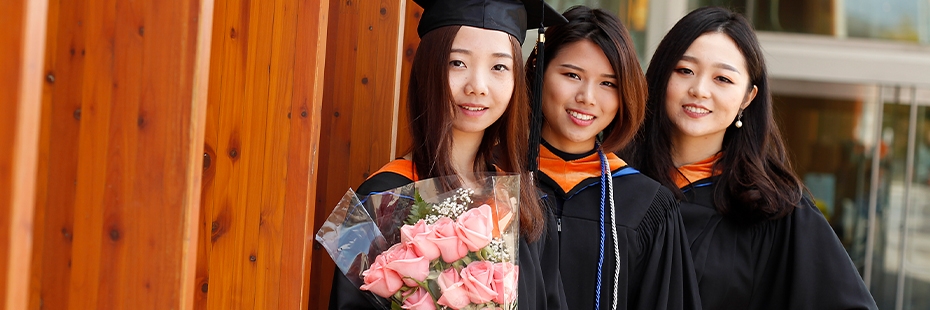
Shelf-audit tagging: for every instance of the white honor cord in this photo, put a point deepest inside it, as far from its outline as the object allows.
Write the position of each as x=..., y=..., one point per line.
x=613, y=231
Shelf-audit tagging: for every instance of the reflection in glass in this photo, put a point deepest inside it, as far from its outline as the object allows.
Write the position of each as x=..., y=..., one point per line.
x=832, y=134
x=830, y=146
x=886, y=257
x=898, y=20
x=917, y=228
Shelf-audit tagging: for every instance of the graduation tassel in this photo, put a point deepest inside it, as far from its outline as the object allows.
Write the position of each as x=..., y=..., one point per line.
x=536, y=117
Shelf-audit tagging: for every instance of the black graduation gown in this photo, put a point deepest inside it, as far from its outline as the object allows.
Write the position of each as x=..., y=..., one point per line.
x=539, y=283
x=795, y=262
x=655, y=264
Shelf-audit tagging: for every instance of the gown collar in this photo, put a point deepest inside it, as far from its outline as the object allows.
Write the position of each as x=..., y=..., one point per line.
x=697, y=171
x=569, y=173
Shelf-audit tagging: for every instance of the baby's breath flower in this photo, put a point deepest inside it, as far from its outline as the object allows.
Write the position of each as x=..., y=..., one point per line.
x=451, y=207
x=496, y=251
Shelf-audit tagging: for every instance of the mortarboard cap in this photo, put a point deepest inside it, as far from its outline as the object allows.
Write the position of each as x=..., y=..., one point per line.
x=510, y=16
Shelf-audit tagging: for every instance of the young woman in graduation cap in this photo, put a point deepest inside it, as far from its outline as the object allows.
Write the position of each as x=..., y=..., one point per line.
x=756, y=240
x=467, y=96
x=623, y=244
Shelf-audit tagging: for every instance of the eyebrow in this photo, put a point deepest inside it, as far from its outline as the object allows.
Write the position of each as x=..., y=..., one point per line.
x=467, y=52
x=574, y=67
x=718, y=65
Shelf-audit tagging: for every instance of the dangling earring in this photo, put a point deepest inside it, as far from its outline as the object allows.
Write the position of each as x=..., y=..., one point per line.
x=739, y=119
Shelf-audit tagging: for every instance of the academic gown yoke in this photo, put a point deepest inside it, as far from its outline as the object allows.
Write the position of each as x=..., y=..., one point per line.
x=655, y=269
x=795, y=262
x=539, y=282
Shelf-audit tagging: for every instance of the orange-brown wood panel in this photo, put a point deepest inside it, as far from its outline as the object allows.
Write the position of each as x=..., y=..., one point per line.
x=261, y=142
x=257, y=80
x=57, y=173
x=303, y=153
x=22, y=33
x=338, y=92
x=208, y=228
x=225, y=110
x=411, y=41
x=361, y=97
x=128, y=127
x=268, y=223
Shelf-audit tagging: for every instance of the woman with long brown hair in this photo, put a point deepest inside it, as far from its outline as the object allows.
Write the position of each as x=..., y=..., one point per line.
x=468, y=97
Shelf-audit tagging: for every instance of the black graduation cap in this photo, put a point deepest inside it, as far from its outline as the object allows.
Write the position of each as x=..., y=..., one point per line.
x=510, y=16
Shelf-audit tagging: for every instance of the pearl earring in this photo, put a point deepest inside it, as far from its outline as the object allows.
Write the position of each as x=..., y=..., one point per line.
x=739, y=119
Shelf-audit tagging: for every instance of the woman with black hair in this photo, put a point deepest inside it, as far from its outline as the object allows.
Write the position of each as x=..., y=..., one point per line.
x=622, y=240
x=709, y=135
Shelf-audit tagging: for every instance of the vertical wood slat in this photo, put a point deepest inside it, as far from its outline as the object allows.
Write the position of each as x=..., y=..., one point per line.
x=257, y=81
x=303, y=154
x=269, y=226
x=23, y=25
x=127, y=74
x=411, y=41
x=208, y=228
x=57, y=174
x=199, y=96
x=225, y=83
x=262, y=134
x=360, y=98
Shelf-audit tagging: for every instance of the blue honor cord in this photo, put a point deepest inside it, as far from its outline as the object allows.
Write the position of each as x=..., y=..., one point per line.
x=600, y=259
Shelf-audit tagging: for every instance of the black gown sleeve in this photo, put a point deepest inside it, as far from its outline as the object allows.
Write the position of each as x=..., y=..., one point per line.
x=666, y=273
x=549, y=264
x=794, y=262
x=344, y=294
x=813, y=267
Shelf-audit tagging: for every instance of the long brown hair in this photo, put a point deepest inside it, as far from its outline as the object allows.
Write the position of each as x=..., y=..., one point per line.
x=607, y=32
x=756, y=179
x=431, y=111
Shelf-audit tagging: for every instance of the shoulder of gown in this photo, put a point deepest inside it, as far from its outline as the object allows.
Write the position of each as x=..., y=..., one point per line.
x=795, y=262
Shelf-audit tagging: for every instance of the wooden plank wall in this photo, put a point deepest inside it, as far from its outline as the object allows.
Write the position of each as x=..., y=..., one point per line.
x=370, y=49
x=120, y=158
x=261, y=144
x=165, y=124
x=23, y=25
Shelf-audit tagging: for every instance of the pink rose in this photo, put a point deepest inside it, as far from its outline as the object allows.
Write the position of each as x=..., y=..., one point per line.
x=416, y=236
x=381, y=281
x=453, y=290
x=450, y=245
x=478, y=278
x=475, y=227
x=505, y=282
x=418, y=298
x=406, y=263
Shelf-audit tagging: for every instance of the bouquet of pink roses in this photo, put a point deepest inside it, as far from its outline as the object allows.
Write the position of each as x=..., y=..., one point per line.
x=426, y=248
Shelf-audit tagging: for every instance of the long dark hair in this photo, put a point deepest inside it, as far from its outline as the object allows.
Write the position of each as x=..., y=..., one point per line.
x=431, y=111
x=756, y=179
x=607, y=32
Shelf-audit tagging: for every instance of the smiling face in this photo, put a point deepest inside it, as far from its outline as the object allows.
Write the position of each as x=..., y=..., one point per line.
x=481, y=77
x=580, y=97
x=709, y=86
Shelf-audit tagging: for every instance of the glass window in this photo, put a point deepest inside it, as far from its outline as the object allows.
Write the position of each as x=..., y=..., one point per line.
x=898, y=20
x=916, y=217
x=832, y=131
x=826, y=128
